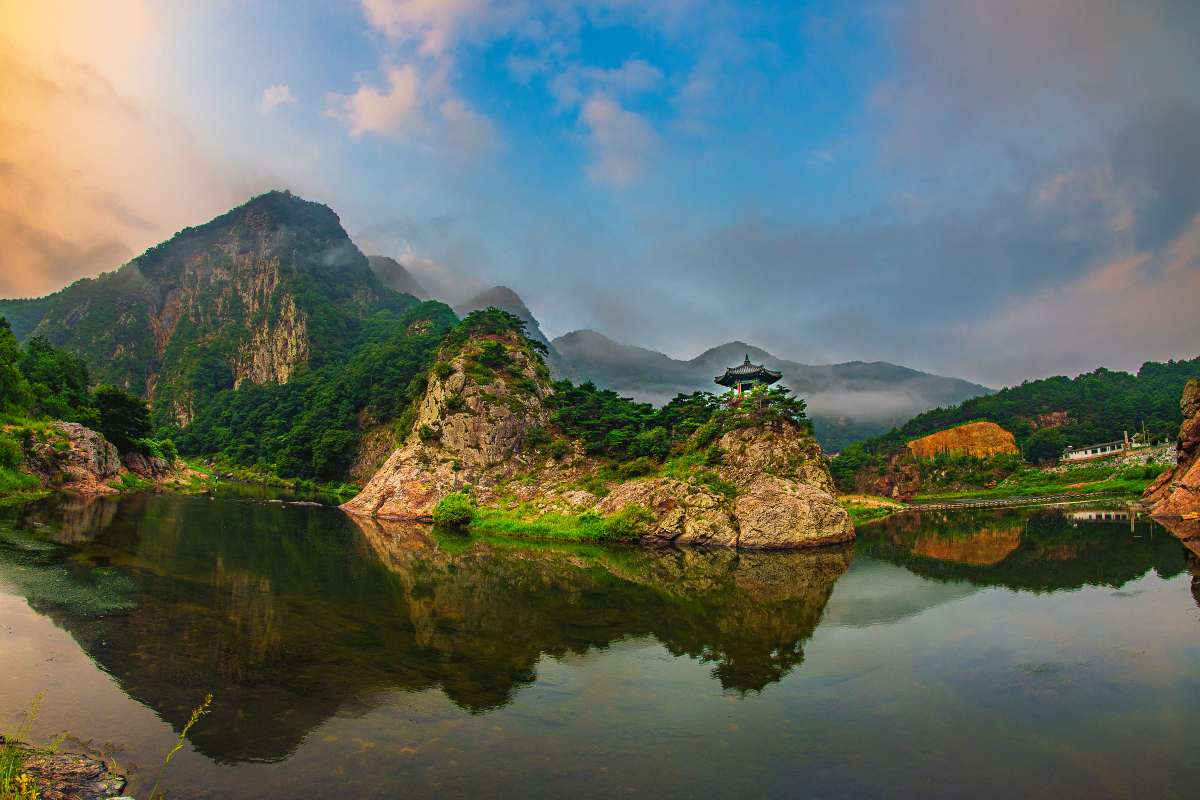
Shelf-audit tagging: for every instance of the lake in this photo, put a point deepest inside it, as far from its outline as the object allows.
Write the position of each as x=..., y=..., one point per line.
x=1033, y=652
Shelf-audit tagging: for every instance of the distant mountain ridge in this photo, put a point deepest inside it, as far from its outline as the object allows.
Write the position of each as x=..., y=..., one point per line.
x=849, y=401
x=395, y=276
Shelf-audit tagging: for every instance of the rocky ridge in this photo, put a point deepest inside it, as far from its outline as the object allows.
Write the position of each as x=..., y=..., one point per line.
x=1176, y=493
x=772, y=488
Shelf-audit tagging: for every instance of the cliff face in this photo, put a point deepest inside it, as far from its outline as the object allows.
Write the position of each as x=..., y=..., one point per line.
x=975, y=439
x=253, y=295
x=1177, y=491
x=772, y=488
x=898, y=479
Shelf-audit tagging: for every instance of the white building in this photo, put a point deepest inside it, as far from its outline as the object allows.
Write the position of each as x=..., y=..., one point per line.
x=1094, y=450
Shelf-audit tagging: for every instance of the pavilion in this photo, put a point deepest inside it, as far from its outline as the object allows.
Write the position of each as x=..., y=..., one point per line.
x=747, y=376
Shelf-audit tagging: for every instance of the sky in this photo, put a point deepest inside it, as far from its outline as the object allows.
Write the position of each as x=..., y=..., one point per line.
x=998, y=190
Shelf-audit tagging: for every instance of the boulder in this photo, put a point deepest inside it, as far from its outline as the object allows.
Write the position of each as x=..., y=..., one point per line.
x=777, y=513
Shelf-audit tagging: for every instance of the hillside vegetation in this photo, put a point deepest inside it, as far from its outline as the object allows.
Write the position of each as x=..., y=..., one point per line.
x=1046, y=416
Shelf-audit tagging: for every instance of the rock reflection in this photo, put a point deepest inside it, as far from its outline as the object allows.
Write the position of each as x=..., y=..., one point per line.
x=1041, y=550
x=289, y=615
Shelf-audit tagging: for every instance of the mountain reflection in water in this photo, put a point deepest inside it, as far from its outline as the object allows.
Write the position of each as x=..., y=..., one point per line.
x=287, y=615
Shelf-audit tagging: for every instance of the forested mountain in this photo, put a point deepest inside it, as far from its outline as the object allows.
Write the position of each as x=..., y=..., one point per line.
x=270, y=288
x=1046, y=416
x=847, y=402
x=262, y=335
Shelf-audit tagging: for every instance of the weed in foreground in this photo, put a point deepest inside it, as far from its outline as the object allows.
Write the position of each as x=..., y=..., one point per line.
x=197, y=713
x=15, y=784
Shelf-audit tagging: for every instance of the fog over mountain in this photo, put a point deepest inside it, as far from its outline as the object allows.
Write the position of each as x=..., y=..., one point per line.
x=846, y=399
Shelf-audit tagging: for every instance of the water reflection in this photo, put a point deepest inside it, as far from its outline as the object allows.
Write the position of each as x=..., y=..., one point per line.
x=289, y=614
x=1040, y=550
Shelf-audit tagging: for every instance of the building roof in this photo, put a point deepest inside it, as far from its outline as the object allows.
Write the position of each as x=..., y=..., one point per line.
x=747, y=373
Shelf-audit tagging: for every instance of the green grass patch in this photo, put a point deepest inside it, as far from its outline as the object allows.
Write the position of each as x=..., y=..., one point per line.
x=627, y=525
x=16, y=485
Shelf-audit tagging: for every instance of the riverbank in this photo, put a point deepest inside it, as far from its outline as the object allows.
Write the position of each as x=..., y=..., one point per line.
x=30, y=773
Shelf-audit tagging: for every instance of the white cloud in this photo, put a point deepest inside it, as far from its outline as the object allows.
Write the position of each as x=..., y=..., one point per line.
x=434, y=23
x=620, y=139
x=466, y=133
x=274, y=95
x=392, y=113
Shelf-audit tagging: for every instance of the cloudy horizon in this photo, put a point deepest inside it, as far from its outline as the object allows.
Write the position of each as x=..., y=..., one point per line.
x=996, y=191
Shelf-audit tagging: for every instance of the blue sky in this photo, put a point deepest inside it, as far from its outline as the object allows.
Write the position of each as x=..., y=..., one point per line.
x=993, y=190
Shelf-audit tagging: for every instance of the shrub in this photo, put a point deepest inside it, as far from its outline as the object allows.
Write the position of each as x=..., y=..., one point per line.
x=560, y=448
x=494, y=356
x=442, y=369
x=630, y=522
x=534, y=438
x=714, y=455
x=428, y=434
x=637, y=468
x=11, y=453
x=454, y=510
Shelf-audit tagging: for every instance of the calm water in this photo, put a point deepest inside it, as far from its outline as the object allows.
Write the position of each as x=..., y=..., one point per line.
x=1037, y=653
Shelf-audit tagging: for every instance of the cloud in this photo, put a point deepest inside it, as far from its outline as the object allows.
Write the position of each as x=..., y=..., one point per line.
x=433, y=23
x=446, y=268
x=274, y=95
x=620, y=141
x=393, y=112
x=90, y=174
x=466, y=133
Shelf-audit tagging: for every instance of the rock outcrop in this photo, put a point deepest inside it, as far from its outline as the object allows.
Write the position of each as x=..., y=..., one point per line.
x=1177, y=491
x=974, y=439
x=466, y=431
x=80, y=460
x=898, y=478
x=771, y=489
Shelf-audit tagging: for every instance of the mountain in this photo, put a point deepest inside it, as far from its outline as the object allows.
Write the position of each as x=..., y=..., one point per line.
x=848, y=401
x=269, y=288
x=507, y=300
x=395, y=276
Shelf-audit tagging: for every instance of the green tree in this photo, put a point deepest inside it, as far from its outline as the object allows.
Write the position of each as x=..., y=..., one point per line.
x=124, y=417
x=333, y=453
x=58, y=381
x=13, y=387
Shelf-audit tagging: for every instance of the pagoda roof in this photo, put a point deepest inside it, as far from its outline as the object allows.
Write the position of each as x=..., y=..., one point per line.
x=747, y=372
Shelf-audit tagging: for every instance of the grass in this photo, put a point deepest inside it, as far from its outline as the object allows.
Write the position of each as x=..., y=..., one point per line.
x=1035, y=483
x=867, y=507
x=17, y=486
x=627, y=525
x=197, y=713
